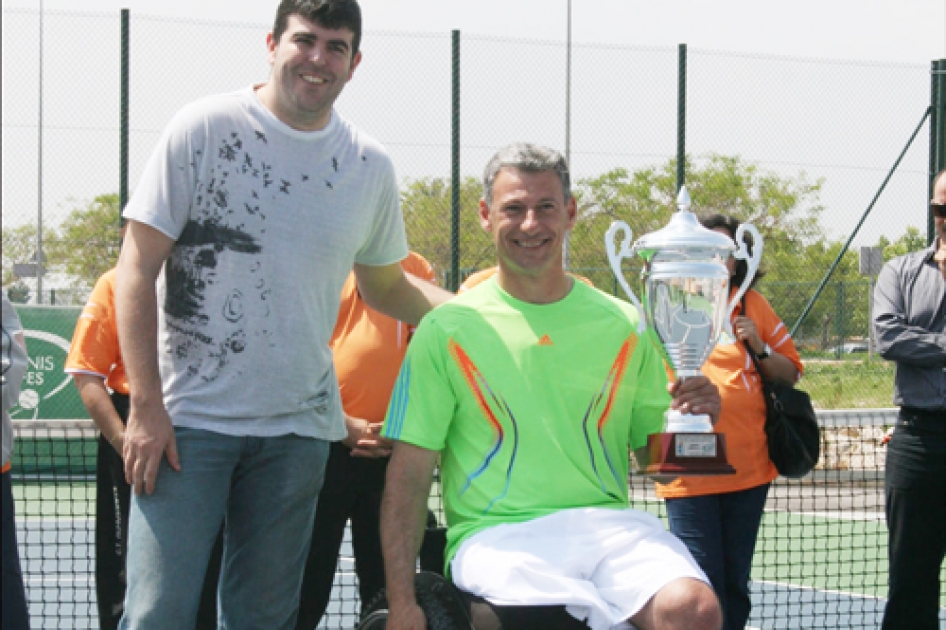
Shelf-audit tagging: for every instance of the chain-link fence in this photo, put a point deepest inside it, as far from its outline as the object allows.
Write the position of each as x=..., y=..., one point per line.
x=800, y=147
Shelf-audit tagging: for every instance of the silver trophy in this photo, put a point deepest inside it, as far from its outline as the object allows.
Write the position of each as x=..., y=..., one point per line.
x=686, y=285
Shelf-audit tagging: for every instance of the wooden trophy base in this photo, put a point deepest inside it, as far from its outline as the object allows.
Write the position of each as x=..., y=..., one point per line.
x=688, y=454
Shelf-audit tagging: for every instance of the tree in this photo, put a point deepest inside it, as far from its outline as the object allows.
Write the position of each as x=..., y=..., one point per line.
x=426, y=206
x=19, y=243
x=910, y=241
x=18, y=293
x=19, y=246
x=83, y=247
x=89, y=240
x=784, y=209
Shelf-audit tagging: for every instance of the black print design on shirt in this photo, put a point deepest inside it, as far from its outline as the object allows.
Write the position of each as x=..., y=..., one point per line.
x=218, y=296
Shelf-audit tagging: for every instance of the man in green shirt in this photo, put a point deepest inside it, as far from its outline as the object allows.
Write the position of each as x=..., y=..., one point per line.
x=531, y=389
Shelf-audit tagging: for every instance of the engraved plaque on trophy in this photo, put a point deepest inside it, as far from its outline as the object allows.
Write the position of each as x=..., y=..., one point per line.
x=686, y=286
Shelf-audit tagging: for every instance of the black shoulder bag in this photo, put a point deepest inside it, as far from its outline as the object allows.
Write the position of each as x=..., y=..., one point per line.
x=791, y=425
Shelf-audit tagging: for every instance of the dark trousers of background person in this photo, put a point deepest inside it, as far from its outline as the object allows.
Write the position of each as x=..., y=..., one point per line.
x=112, y=497
x=352, y=491
x=916, y=520
x=720, y=530
x=15, y=616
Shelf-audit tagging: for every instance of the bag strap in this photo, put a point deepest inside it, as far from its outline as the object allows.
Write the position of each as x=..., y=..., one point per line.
x=752, y=354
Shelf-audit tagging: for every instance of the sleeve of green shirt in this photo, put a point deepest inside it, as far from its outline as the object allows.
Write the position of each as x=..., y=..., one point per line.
x=651, y=398
x=423, y=402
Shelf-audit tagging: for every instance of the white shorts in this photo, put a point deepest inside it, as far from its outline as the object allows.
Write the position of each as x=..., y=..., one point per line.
x=603, y=565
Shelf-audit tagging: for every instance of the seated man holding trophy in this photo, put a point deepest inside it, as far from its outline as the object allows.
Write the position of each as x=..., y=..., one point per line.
x=531, y=389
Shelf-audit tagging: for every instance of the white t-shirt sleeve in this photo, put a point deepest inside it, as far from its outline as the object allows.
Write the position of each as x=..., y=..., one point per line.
x=167, y=186
x=386, y=242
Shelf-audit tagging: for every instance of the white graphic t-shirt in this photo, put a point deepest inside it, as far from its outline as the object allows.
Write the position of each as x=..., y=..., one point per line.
x=268, y=221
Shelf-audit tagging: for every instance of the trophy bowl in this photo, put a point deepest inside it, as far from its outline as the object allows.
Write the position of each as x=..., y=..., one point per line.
x=687, y=305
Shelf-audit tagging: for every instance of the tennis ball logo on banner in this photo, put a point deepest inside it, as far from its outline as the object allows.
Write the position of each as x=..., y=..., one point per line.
x=47, y=392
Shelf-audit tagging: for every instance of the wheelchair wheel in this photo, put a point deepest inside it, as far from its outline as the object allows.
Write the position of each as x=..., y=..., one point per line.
x=439, y=599
x=378, y=620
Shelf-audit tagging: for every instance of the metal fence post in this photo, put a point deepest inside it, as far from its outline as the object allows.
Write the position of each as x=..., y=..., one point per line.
x=681, y=115
x=841, y=315
x=123, y=116
x=39, y=256
x=455, y=174
x=937, y=131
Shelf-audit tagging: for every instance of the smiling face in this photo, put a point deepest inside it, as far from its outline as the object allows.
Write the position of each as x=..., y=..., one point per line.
x=311, y=65
x=528, y=217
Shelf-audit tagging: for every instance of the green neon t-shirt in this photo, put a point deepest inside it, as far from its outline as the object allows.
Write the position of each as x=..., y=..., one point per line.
x=533, y=407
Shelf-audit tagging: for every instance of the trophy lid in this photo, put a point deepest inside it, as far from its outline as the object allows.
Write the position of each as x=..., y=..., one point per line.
x=683, y=238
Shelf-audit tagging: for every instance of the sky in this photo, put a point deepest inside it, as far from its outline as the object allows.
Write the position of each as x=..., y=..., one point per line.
x=787, y=116
x=912, y=31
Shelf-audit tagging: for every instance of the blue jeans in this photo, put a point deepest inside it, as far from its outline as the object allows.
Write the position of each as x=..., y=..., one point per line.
x=266, y=489
x=720, y=530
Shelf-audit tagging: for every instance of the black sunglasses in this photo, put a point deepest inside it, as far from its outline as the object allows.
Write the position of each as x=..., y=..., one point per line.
x=939, y=209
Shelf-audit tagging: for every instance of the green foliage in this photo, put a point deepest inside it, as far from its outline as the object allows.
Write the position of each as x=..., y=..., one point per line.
x=18, y=293
x=19, y=246
x=84, y=246
x=785, y=210
x=426, y=204
x=910, y=241
x=89, y=240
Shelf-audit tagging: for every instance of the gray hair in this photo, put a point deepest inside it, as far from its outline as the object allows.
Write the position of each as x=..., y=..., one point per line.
x=531, y=158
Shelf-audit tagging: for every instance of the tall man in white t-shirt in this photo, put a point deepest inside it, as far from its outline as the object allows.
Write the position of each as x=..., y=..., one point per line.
x=249, y=216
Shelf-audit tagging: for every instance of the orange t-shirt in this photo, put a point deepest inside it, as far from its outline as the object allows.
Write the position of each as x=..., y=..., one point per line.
x=485, y=274
x=742, y=418
x=368, y=348
x=94, y=347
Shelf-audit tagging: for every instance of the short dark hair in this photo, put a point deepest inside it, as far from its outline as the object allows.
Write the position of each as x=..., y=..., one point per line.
x=528, y=157
x=731, y=225
x=333, y=14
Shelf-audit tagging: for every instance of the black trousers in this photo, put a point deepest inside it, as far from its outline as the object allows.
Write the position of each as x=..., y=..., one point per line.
x=112, y=498
x=352, y=491
x=15, y=615
x=916, y=520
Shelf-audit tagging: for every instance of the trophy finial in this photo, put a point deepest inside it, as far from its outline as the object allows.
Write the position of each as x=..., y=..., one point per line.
x=683, y=199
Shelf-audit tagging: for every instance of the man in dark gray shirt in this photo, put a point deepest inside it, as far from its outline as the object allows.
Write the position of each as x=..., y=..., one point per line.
x=909, y=314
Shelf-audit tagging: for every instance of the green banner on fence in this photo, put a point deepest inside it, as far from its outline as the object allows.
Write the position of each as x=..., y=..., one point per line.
x=47, y=392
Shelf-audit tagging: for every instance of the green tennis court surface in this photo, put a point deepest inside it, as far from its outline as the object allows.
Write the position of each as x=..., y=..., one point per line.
x=820, y=561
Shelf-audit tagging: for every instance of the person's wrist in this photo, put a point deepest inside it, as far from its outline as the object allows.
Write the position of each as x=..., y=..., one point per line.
x=401, y=598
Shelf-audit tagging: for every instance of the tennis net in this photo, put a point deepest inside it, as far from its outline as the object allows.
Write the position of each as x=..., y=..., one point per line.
x=820, y=561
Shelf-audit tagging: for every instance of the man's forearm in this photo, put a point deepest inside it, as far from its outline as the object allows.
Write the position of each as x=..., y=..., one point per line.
x=98, y=403
x=398, y=295
x=136, y=309
x=403, y=515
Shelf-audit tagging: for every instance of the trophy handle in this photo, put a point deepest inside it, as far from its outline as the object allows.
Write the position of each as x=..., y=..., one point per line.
x=753, y=260
x=616, y=257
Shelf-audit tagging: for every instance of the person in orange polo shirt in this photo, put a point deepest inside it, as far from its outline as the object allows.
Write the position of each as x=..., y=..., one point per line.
x=368, y=348
x=718, y=517
x=95, y=363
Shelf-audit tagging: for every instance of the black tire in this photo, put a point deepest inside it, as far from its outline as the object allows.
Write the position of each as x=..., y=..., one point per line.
x=378, y=620
x=439, y=599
